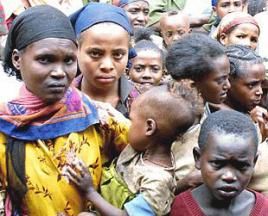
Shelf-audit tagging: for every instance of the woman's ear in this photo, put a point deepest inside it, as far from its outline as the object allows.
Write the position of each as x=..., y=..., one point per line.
x=16, y=57
x=150, y=127
x=197, y=156
x=223, y=38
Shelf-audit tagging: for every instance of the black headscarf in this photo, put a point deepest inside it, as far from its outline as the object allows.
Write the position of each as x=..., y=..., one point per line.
x=34, y=24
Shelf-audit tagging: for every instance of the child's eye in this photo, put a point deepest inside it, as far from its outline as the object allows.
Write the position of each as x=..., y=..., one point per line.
x=169, y=34
x=216, y=164
x=255, y=40
x=237, y=4
x=138, y=69
x=155, y=69
x=240, y=36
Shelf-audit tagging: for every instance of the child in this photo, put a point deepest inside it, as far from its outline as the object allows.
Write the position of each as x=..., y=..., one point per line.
x=226, y=156
x=238, y=28
x=202, y=59
x=142, y=180
x=147, y=67
x=103, y=33
x=173, y=25
x=220, y=9
x=246, y=78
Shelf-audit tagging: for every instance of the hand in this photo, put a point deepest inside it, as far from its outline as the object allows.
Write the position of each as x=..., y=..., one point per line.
x=260, y=116
x=80, y=176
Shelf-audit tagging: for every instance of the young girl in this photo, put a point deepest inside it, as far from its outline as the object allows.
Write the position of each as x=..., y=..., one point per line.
x=226, y=155
x=246, y=78
x=203, y=60
x=142, y=180
x=238, y=28
x=103, y=33
x=147, y=67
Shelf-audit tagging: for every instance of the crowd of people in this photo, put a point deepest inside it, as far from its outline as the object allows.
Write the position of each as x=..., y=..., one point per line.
x=133, y=107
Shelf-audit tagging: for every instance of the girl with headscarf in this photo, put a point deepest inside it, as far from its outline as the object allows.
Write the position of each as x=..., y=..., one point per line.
x=103, y=33
x=50, y=125
x=238, y=28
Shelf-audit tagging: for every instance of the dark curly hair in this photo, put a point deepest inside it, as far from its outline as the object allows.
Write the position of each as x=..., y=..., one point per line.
x=192, y=56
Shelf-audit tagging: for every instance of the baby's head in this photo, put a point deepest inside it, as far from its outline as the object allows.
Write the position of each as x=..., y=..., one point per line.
x=224, y=7
x=173, y=25
x=147, y=67
x=247, y=73
x=227, y=154
x=163, y=113
x=202, y=59
x=238, y=28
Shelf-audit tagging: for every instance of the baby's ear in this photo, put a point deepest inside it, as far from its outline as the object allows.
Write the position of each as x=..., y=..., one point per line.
x=197, y=155
x=150, y=127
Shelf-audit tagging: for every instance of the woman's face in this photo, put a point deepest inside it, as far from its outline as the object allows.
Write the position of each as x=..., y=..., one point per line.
x=138, y=13
x=214, y=86
x=245, y=34
x=246, y=90
x=47, y=67
x=147, y=67
x=103, y=55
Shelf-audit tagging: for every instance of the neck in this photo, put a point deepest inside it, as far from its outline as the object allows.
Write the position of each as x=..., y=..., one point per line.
x=236, y=106
x=159, y=154
x=108, y=95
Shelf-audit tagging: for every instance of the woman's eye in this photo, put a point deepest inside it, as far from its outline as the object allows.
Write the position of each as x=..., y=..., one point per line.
x=44, y=60
x=94, y=54
x=69, y=61
x=118, y=56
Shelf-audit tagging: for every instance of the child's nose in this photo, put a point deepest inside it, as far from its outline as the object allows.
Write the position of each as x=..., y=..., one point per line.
x=229, y=176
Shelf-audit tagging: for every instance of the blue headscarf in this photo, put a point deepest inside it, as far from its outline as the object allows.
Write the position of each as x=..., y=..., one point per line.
x=94, y=13
x=214, y=2
x=122, y=3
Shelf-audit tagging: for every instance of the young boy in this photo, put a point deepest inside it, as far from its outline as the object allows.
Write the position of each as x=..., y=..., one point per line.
x=173, y=25
x=142, y=180
x=226, y=156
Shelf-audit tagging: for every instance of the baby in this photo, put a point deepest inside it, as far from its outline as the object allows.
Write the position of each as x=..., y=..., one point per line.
x=142, y=180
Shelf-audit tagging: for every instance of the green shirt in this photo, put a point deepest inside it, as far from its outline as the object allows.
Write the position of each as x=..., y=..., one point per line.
x=157, y=7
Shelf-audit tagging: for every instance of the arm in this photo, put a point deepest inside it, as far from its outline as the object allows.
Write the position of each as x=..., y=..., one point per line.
x=82, y=179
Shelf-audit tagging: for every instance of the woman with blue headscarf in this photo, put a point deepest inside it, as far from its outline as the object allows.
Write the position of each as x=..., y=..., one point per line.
x=103, y=33
x=137, y=11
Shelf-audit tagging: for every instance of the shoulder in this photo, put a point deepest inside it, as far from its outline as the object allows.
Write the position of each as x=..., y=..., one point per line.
x=261, y=204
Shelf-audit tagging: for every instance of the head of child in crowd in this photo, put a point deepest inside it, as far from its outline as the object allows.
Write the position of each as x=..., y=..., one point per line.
x=162, y=113
x=202, y=59
x=173, y=25
x=147, y=67
x=137, y=11
x=103, y=33
x=247, y=73
x=44, y=59
x=238, y=28
x=224, y=7
x=226, y=156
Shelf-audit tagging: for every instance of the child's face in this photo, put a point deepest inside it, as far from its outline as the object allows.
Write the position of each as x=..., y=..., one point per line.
x=224, y=7
x=246, y=91
x=227, y=164
x=103, y=55
x=173, y=28
x=147, y=67
x=138, y=13
x=245, y=34
x=214, y=86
